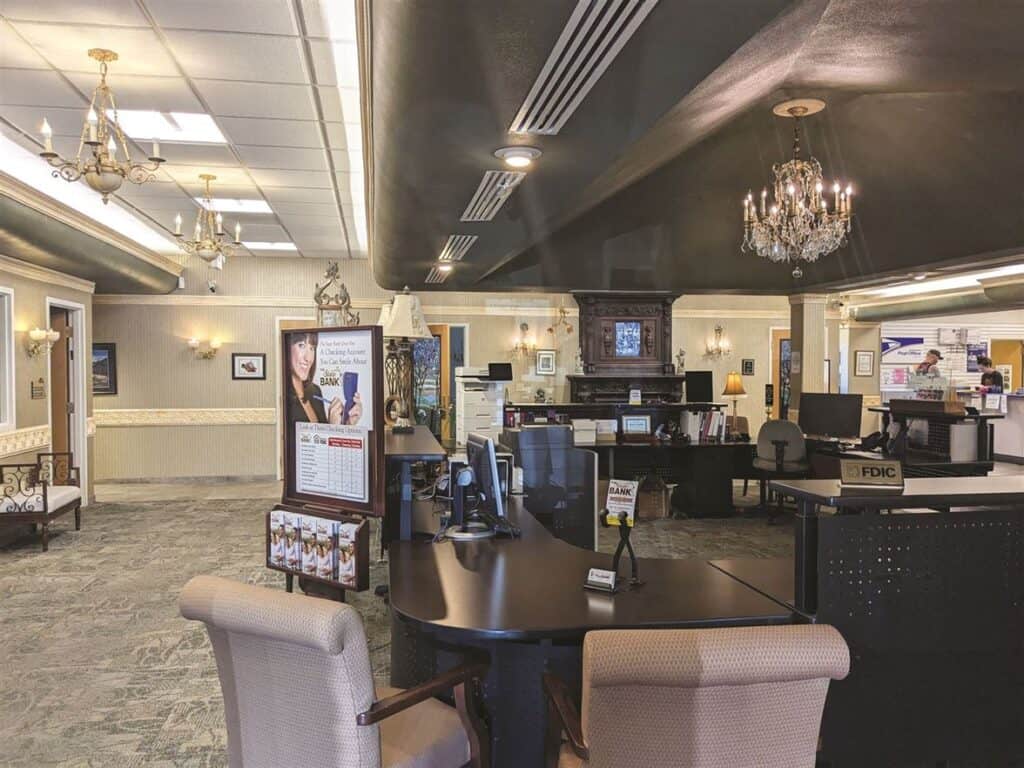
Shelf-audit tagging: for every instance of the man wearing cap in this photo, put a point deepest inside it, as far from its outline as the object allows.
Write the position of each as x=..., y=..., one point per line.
x=930, y=366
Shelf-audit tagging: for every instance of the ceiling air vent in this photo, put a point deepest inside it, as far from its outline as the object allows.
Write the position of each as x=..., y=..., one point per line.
x=436, y=276
x=456, y=247
x=596, y=32
x=494, y=189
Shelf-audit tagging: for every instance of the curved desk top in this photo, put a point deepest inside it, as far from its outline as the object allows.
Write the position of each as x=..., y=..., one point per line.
x=532, y=588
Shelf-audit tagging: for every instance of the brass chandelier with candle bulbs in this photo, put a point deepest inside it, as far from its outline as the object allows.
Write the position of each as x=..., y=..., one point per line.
x=103, y=157
x=797, y=224
x=209, y=241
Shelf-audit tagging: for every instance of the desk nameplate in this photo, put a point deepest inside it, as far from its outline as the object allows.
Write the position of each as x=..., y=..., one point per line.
x=870, y=473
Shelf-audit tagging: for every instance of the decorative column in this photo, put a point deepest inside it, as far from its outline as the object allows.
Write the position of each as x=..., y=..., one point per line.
x=807, y=339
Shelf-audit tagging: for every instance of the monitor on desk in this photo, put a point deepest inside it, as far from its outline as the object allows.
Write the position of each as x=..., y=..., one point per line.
x=699, y=387
x=827, y=415
x=481, y=457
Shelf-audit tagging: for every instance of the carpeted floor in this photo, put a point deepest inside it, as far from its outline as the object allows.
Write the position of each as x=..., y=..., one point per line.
x=98, y=669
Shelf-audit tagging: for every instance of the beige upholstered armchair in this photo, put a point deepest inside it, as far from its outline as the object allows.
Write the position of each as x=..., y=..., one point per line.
x=298, y=688
x=703, y=698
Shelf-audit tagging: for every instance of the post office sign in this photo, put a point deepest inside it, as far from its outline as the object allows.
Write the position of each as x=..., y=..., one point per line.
x=854, y=472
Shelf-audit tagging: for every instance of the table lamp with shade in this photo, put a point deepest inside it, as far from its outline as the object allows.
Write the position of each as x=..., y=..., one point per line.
x=734, y=389
x=403, y=322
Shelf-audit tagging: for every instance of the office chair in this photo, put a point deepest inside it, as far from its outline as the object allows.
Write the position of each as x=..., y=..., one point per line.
x=298, y=688
x=781, y=454
x=696, y=698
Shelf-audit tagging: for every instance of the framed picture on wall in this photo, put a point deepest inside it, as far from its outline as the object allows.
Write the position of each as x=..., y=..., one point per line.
x=104, y=369
x=248, y=366
x=545, y=362
x=864, y=363
x=748, y=367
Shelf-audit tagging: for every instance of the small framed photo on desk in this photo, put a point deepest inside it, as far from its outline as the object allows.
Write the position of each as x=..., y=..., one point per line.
x=636, y=425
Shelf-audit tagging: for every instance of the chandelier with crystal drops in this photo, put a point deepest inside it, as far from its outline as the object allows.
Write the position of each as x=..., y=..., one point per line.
x=209, y=241
x=797, y=224
x=98, y=160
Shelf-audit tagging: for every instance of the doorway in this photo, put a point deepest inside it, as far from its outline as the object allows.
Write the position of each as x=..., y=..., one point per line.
x=434, y=364
x=780, y=372
x=68, y=380
x=1008, y=356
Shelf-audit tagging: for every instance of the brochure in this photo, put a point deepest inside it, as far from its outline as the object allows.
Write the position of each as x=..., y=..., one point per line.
x=622, y=498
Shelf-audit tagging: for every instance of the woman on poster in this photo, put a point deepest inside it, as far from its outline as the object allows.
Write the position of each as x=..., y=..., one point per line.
x=305, y=398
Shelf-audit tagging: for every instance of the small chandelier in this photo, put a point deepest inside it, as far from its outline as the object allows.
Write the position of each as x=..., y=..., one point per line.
x=100, y=165
x=525, y=344
x=797, y=224
x=208, y=239
x=719, y=346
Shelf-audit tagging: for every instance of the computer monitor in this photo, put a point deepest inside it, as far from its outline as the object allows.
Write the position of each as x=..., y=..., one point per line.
x=499, y=371
x=699, y=387
x=830, y=415
x=481, y=458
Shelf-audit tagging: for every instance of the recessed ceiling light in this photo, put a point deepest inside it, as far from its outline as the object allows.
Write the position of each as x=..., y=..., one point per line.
x=230, y=205
x=518, y=157
x=444, y=267
x=183, y=127
x=260, y=246
x=921, y=276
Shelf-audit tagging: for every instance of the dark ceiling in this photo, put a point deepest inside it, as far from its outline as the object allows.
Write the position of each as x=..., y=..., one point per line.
x=641, y=189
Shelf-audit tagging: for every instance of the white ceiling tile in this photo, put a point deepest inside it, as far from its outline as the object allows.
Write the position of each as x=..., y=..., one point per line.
x=282, y=178
x=235, y=99
x=275, y=255
x=263, y=233
x=301, y=233
x=350, y=187
x=188, y=175
x=38, y=87
x=272, y=17
x=139, y=51
x=318, y=25
x=283, y=157
x=335, y=63
x=345, y=161
x=321, y=243
x=330, y=103
x=63, y=121
x=277, y=195
x=301, y=222
x=108, y=12
x=163, y=94
x=272, y=133
x=284, y=208
x=14, y=52
x=259, y=58
x=197, y=154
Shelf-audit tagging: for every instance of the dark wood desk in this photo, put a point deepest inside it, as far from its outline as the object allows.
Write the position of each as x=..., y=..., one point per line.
x=931, y=603
x=521, y=602
x=771, y=576
x=403, y=451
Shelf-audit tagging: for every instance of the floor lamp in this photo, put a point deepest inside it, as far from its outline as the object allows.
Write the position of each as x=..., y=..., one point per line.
x=403, y=323
x=734, y=389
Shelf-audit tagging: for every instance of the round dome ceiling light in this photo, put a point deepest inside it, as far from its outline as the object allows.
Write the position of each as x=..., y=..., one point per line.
x=518, y=157
x=444, y=266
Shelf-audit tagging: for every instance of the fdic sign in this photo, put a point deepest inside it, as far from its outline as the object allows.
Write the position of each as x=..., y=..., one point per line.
x=871, y=473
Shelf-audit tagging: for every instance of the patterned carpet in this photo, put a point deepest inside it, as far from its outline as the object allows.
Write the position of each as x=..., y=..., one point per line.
x=96, y=666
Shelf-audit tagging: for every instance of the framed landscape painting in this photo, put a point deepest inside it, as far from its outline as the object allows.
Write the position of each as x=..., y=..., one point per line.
x=104, y=369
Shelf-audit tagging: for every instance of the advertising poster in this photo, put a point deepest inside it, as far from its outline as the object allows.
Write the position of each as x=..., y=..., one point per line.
x=622, y=498
x=332, y=390
x=974, y=351
x=903, y=349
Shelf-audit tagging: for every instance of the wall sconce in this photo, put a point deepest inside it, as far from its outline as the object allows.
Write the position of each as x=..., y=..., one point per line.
x=525, y=344
x=204, y=354
x=717, y=347
x=40, y=341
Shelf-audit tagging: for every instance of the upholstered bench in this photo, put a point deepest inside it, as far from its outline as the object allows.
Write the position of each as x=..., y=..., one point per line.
x=39, y=493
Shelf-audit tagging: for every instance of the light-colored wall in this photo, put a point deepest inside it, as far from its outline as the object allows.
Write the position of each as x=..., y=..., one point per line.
x=158, y=374
x=31, y=287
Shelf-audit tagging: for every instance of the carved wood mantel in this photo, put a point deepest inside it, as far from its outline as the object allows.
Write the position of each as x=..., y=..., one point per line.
x=613, y=366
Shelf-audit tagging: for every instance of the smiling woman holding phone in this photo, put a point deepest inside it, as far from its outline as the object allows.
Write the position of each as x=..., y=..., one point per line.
x=305, y=399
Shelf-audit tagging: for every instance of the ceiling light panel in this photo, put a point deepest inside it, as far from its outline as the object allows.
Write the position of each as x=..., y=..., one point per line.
x=456, y=247
x=947, y=283
x=589, y=43
x=494, y=189
x=183, y=127
x=436, y=276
